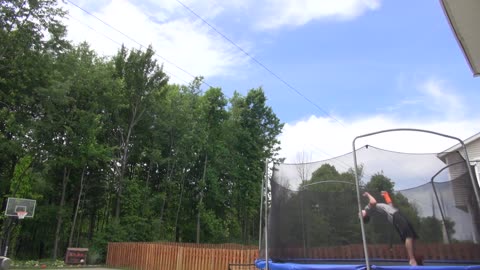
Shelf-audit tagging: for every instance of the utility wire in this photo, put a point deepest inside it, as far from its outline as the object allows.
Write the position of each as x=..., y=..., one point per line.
x=260, y=64
x=130, y=38
x=91, y=28
x=118, y=43
x=275, y=75
x=223, y=36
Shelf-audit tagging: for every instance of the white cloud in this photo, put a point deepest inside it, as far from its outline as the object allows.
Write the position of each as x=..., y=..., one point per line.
x=181, y=40
x=322, y=139
x=270, y=14
x=278, y=13
x=325, y=138
x=432, y=95
x=180, y=37
x=404, y=103
x=208, y=9
x=441, y=98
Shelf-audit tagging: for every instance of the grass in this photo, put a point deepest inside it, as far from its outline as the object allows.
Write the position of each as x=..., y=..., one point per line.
x=47, y=264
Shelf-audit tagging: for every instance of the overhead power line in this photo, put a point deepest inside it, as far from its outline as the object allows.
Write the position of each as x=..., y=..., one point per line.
x=261, y=64
x=133, y=40
x=223, y=36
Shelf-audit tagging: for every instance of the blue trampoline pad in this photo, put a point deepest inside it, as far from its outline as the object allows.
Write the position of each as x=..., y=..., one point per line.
x=342, y=266
x=427, y=267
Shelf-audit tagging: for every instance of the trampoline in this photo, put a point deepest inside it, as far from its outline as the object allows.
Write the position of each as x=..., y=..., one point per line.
x=312, y=219
x=360, y=265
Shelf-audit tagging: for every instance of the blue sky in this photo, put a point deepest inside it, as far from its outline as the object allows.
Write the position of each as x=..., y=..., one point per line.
x=369, y=64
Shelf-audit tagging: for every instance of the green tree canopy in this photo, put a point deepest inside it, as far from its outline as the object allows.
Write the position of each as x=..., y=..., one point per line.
x=112, y=151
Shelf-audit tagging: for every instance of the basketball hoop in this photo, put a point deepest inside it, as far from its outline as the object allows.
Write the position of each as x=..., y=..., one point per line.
x=21, y=214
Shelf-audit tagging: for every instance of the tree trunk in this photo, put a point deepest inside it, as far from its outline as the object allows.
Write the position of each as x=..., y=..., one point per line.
x=79, y=230
x=91, y=227
x=245, y=224
x=177, y=229
x=119, y=195
x=107, y=211
x=170, y=171
x=124, y=158
x=4, y=238
x=201, y=198
x=66, y=175
x=70, y=239
x=198, y=219
x=147, y=184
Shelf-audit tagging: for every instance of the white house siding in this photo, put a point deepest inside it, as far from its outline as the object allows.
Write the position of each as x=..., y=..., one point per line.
x=460, y=189
x=473, y=150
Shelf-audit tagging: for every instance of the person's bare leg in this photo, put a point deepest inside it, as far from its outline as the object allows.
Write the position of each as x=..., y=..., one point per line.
x=410, y=246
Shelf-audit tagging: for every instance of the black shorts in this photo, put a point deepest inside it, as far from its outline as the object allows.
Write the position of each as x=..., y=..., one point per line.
x=403, y=227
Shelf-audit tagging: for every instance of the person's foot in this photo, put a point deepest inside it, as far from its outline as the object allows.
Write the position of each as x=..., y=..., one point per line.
x=413, y=262
x=419, y=259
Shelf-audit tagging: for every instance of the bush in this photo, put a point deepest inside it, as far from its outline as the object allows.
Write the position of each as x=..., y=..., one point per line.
x=37, y=264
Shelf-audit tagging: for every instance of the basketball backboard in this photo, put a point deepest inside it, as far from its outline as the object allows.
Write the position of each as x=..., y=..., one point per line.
x=16, y=205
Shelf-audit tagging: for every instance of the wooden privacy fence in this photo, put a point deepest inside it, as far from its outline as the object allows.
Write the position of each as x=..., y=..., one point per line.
x=179, y=256
x=456, y=251
x=436, y=251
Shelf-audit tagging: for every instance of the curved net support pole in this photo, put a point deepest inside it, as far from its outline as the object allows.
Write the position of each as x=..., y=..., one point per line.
x=357, y=180
x=432, y=181
x=326, y=182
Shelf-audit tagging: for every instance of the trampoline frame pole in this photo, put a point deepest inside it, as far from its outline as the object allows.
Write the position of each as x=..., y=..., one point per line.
x=261, y=206
x=362, y=225
x=303, y=224
x=266, y=216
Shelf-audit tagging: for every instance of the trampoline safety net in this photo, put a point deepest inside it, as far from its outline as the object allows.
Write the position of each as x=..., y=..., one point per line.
x=314, y=211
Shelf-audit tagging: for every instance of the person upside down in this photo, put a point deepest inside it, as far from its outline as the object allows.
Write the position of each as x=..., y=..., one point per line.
x=395, y=217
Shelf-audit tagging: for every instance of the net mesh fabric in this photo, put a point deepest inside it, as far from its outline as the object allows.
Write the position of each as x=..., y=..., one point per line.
x=314, y=212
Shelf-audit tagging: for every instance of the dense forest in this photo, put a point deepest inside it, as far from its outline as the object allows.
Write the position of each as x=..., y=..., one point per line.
x=112, y=151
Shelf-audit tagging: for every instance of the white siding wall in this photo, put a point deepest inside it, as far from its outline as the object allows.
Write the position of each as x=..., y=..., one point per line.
x=473, y=149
